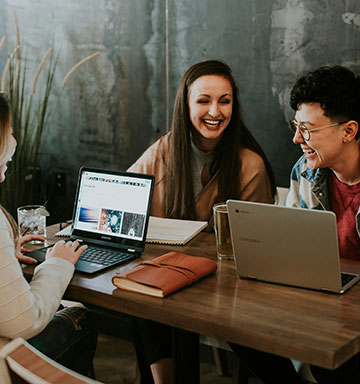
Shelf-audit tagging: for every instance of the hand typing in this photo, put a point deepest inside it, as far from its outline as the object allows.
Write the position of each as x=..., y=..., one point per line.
x=69, y=251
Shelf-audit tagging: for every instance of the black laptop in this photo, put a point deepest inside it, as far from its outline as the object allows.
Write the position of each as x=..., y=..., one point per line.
x=111, y=214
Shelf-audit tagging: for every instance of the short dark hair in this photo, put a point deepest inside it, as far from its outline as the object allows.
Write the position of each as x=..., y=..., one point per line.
x=337, y=89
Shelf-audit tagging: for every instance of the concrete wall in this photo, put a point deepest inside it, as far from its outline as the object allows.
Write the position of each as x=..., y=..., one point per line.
x=117, y=105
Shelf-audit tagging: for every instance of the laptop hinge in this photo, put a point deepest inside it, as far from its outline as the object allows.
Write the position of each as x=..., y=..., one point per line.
x=325, y=290
x=251, y=277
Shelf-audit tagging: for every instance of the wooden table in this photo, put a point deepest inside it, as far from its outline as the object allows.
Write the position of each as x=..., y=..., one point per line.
x=315, y=327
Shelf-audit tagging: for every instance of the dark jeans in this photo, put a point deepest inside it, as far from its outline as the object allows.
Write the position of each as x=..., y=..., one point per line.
x=69, y=339
x=156, y=340
x=272, y=369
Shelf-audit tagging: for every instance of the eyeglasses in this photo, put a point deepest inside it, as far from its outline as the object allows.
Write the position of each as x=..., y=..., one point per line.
x=305, y=132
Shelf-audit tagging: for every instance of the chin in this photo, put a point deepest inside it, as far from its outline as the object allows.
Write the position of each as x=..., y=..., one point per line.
x=212, y=134
x=314, y=165
x=311, y=165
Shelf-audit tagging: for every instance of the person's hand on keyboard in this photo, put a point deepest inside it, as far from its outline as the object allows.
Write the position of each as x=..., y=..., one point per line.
x=69, y=251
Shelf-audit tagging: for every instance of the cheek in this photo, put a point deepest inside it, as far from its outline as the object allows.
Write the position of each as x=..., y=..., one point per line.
x=13, y=143
x=195, y=114
x=227, y=112
x=325, y=149
x=2, y=172
x=227, y=115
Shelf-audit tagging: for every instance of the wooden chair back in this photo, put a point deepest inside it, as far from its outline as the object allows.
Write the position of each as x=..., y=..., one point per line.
x=26, y=365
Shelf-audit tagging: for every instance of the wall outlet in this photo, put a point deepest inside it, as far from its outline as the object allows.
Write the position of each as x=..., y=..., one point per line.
x=60, y=183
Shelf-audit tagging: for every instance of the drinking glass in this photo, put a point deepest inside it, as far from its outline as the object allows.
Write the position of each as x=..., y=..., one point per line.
x=32, y=221
x=222, y=232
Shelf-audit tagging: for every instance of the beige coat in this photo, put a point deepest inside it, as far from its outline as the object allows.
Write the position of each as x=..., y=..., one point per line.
x=254, y=181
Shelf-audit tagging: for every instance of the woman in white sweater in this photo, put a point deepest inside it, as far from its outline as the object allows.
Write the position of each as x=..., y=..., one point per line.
x=29, y=310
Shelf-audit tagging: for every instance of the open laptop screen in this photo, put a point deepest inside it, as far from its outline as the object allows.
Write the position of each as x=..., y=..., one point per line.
x=112, y=206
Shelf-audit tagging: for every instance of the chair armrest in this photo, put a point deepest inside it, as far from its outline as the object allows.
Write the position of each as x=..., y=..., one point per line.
x=26, y=362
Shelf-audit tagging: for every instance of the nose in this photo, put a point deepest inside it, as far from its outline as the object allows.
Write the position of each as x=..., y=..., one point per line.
x=214, y=110
x=298, y=138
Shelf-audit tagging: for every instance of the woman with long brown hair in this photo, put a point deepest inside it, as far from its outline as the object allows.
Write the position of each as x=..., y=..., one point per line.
x=208, y=156
x=29, y=310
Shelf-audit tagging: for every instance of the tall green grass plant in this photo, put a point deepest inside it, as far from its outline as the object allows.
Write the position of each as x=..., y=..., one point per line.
x=29, y=102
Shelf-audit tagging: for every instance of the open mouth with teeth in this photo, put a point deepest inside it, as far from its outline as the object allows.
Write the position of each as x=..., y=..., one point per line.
x=212, y=123
x=308, y=152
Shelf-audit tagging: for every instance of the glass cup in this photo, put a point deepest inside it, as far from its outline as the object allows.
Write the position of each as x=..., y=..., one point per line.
x=32, y=221
x=222, y=232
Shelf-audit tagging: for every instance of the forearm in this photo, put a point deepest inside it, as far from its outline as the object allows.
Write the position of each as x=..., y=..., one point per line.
x=26, y=309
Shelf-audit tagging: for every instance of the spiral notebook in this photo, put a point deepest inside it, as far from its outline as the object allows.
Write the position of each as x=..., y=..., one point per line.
x=164, y=231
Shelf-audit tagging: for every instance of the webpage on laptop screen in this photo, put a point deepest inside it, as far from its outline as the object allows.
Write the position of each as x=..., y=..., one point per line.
x=112, y=204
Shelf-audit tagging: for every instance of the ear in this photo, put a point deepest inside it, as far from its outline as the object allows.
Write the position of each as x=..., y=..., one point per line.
x=350, y=130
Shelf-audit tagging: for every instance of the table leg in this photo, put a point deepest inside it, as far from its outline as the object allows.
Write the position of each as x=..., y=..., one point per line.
x=185, y=357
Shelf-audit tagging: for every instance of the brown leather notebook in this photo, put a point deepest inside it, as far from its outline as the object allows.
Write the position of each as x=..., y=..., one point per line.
x=165, y=274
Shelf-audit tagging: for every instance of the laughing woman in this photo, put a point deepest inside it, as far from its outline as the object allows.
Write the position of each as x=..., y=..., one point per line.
x=30, y=310
x=208, y=156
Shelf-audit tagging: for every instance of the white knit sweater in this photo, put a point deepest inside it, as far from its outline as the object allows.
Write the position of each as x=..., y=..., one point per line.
x=26, y=309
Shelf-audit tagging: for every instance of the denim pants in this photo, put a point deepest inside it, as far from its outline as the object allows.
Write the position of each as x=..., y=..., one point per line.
x=69, y=339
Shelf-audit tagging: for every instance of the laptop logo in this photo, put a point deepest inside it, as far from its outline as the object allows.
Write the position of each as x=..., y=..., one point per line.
x=249, y=240
x=242, y=211
x=105, y=237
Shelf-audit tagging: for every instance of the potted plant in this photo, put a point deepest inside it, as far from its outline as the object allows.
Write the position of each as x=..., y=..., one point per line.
x=29, y=103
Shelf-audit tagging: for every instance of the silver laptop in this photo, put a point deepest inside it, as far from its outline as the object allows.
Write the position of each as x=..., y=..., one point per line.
x=111, y=214
x=284, y=245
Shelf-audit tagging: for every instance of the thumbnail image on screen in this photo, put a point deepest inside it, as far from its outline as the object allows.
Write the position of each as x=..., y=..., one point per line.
x=133, y=224
x=88, y=215
x=110, y=220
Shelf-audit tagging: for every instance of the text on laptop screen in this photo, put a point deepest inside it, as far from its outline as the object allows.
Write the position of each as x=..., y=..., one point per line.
x=112, y=204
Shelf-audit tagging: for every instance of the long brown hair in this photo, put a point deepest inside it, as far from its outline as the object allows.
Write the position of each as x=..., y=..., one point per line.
x=180, y=199
x=5, y=133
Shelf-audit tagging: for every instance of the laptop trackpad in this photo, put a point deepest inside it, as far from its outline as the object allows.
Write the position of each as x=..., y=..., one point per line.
x=39, y=254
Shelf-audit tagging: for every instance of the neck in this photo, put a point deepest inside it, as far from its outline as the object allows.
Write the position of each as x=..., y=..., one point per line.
x=348, y=170
x=205, y=145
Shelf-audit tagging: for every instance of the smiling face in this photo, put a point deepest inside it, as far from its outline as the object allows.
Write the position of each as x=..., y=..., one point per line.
x=325, y=149
x=210, y=102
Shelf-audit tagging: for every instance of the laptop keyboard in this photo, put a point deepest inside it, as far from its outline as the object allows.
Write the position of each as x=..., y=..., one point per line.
x=346, y=278
x=103, y=256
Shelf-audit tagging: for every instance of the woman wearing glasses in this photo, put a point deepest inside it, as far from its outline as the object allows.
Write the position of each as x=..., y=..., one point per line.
x=208, y=156
x=327, y=177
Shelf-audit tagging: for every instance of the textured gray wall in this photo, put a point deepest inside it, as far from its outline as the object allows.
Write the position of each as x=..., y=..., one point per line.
x=116, y=105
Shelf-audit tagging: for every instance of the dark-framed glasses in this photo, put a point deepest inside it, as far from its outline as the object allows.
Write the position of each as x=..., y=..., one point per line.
x=305, y=131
